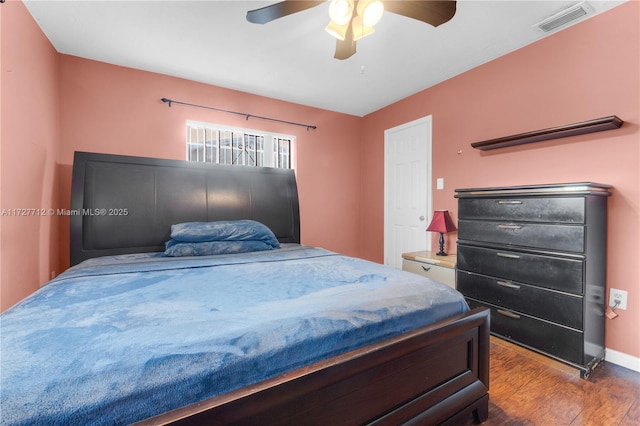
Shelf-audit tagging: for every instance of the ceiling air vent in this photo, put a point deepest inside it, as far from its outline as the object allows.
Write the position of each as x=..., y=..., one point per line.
x=565, y=17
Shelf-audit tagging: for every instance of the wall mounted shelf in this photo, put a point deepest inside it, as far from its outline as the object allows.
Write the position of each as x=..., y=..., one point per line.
x=590, y=126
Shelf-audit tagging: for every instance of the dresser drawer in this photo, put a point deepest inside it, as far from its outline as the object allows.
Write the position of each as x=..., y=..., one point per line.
x=556, y=340
x=550, y=305
x=544, y=209
x=429, y=270
x=550, y=237
x=558, y=273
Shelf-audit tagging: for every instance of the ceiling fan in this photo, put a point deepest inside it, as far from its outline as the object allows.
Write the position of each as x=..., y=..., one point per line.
x=350, y=20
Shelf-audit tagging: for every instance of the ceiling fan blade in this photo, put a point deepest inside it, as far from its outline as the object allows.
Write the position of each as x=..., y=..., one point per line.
x=346, y=48
x=278, y=10
x=432, y=12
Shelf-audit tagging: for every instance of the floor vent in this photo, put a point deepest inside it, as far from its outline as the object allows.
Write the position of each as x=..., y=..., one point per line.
x=565, y=17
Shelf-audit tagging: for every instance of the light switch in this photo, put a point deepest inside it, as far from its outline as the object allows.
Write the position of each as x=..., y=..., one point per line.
x=440, y=183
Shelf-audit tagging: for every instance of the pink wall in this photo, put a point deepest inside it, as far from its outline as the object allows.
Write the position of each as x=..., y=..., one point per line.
x=587, y=71
x=117, y=110
x=30, y=137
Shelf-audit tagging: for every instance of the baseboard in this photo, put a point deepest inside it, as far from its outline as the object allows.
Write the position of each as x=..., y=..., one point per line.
x=623, y=360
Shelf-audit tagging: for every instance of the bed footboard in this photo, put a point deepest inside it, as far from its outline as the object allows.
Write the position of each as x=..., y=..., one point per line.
x=437, y=374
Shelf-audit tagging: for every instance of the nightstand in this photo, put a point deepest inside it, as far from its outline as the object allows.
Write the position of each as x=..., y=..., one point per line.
x=439, y=268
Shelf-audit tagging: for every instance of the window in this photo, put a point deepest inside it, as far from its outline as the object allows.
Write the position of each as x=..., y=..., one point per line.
x=211, y=143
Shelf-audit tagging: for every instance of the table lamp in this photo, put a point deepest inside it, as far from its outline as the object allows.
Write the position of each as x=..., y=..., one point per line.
x=441, y=223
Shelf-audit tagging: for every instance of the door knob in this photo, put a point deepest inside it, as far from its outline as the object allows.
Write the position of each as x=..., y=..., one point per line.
x=421, y=218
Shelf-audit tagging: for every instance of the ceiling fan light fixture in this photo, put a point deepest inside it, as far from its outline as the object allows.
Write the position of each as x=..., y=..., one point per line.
x=370, y=11
x=341, y=11
x=351, y=20
x=359, y=29
x=337, y=31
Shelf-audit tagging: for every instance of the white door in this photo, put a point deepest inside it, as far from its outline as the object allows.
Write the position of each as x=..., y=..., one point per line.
x=407, y=189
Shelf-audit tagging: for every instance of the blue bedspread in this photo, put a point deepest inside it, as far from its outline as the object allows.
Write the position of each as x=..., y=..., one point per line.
x=118, y=339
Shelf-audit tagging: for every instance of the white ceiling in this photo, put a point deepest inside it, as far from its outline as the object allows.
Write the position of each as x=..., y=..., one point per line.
x=292, y=58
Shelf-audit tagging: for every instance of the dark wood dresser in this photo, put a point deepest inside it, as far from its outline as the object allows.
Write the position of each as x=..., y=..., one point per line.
x=536, y=255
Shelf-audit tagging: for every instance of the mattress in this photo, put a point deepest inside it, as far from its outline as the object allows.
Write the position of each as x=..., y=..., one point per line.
x=118, y=339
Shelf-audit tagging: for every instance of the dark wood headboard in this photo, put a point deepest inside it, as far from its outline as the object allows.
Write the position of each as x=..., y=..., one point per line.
x=122, y=204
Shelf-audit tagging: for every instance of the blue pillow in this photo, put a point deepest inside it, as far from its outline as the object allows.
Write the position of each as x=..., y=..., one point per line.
x=176, y=248
x=230, y=230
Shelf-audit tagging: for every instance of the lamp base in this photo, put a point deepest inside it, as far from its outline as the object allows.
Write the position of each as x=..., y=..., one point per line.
x=441, y=241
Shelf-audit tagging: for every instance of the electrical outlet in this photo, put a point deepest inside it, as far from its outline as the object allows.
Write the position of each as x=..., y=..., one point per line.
x=618, y=297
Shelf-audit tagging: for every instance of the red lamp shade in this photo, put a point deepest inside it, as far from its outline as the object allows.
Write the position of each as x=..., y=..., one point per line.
x=441, y=222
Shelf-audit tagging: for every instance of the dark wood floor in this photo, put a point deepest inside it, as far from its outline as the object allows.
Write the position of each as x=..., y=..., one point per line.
x=531, y=389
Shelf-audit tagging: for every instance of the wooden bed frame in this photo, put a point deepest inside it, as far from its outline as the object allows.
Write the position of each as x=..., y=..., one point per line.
x=437, y=374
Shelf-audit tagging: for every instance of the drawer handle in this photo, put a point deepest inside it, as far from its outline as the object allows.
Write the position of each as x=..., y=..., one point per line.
x=425, y=268
x=508, y=256
x=508, y=285
x=511, y=202
x=508, y=314
x=510, y=226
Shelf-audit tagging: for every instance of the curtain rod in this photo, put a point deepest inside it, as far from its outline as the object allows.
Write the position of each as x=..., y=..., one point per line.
x=247, y=116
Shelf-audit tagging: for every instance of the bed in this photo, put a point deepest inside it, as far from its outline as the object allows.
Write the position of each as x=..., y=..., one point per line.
x=141, y=330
